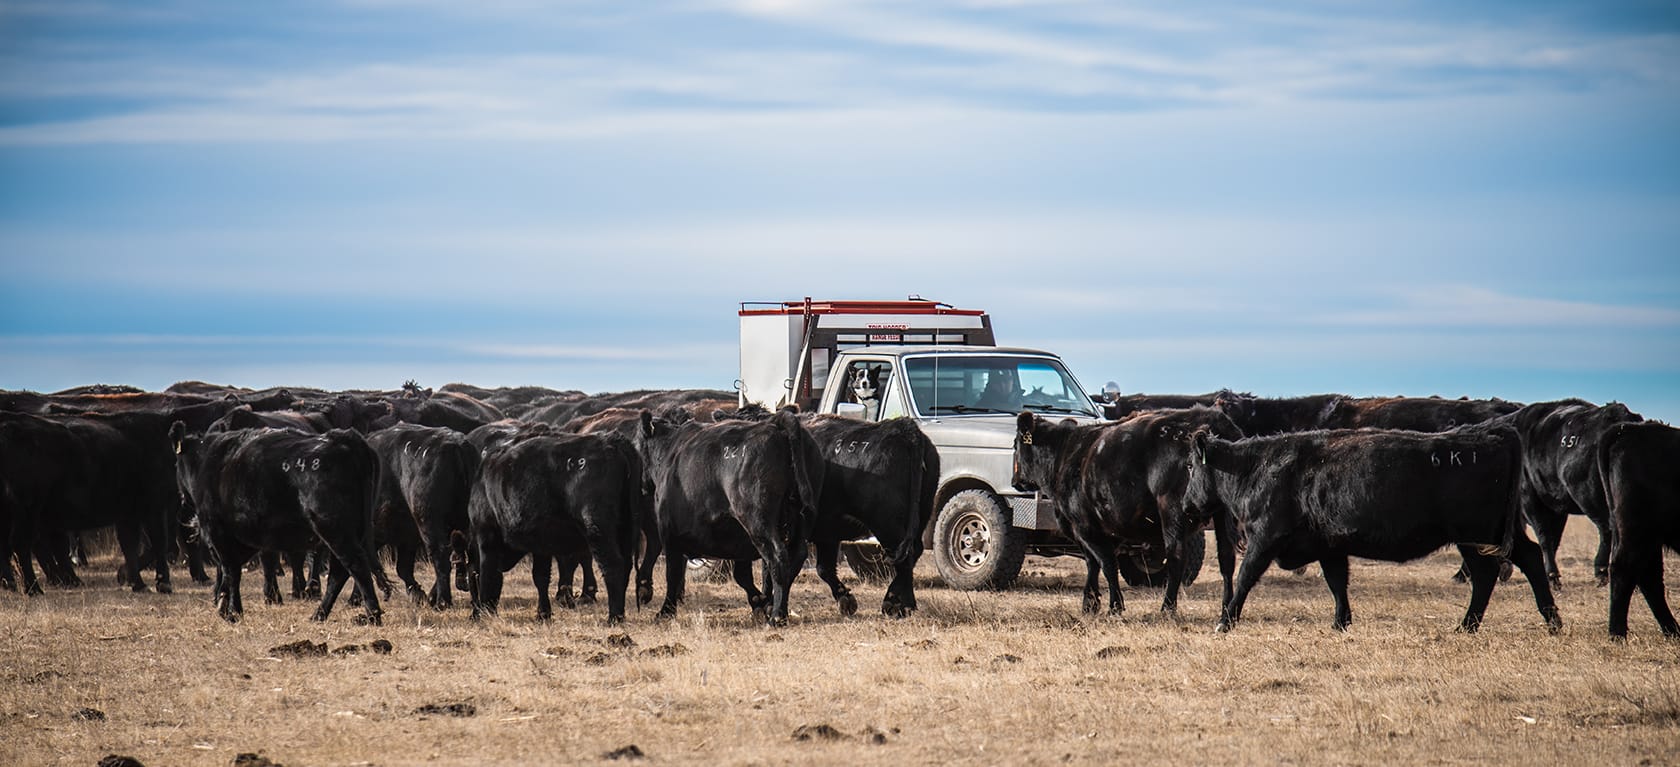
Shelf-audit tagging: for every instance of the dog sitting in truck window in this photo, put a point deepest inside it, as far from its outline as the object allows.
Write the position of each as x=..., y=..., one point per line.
x=866, y=389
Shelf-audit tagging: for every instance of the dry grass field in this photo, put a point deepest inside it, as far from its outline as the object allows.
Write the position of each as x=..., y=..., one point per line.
x=975, y=678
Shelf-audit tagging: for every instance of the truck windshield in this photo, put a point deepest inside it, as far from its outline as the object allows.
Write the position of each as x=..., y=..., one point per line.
x=976, y=385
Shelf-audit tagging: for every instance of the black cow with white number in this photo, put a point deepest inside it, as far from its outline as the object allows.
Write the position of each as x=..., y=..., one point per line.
x=552, y=494
x=1325, y=496
x=258, y=490
x=736, y=490
x=426, y=478
x=1561, y=473
x=1640, y=463
x=1118, y=482
x=879, y=479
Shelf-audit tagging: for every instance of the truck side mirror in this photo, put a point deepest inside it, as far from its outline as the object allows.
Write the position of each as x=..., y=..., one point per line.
x=849, y=409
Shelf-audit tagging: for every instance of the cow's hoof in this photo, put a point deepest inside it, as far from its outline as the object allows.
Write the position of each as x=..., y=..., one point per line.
x=416, y=594
x=566, y=599
x=1224, y=627
x=665, y=615
x=370, y=619
x=1554, y=621
x=1340, y=625
x=587, y=597
x=229, y=616
x=644, y=593
x=848, y=604
x=163, y=587
x=1091, y=604
x=1469, y=627
x=33, y=590
x=615, y=620
x=138, y=588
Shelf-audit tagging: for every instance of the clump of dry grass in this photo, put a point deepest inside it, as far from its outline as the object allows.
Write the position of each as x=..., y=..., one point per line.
x=1014, y=677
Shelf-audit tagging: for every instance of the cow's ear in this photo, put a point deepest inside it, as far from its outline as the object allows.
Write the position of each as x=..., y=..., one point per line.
x=1024, y=424
x=177, y=435
x=647, y=424
x=1199, y=445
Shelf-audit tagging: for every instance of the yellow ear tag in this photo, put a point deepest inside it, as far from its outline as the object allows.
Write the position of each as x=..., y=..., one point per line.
x=1026, y=439
x=177, y=448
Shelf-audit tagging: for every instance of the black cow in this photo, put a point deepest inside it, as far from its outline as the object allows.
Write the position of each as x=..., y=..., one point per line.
x=118, y=471
x=879, y=478
x=1260, y=416
x=1117, y=482
x=426, y=476
x=1640, y=464
x=1561, y=473
x=1413, y=413
x=1392, y=495
x=1118, y=407
x=280, y=490
x=736, y=490
x=552, y=494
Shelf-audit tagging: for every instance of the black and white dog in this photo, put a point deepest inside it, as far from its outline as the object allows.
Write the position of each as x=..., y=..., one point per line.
x=866, y=388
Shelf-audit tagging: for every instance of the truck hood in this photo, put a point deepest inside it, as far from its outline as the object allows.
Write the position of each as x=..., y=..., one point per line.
x=975, y=431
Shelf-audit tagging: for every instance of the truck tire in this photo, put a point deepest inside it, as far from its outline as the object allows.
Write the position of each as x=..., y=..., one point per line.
x=1149, y=569
x=868, y=561
x=975, y=546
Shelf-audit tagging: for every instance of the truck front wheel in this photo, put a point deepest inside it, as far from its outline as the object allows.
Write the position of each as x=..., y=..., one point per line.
x=1148, y=569
x=975, y=546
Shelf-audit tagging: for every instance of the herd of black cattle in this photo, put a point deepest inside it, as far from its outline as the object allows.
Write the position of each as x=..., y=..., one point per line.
x=475, y=480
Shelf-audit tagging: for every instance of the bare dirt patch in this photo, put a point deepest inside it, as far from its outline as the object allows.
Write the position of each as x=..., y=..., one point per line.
x=1019, y=677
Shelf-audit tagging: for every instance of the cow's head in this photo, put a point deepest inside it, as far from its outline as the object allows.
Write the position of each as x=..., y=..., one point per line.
x=1027, y=473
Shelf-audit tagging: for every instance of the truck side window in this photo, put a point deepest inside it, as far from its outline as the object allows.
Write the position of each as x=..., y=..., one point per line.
x=866, y=384
x=893, y=404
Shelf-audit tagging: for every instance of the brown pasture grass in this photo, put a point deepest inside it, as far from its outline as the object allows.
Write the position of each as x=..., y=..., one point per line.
x=974, y=678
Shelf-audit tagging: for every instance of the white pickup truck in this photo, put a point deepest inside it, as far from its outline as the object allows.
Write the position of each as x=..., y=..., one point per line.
x=939, y=365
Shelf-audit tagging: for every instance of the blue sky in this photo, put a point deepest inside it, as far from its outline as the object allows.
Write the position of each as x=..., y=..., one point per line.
x=1418, y=198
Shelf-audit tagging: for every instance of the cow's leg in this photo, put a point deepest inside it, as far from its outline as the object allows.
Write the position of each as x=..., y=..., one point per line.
x=1484, y=572
x=162, y=531
x=52, y=552
x=784, y=561
x=541, y=566
x=1254, y=564
x=1624, y=564
x=1651, y=585
x=828, y=569
x=676, y=582
x=437, y=546
x=405, y=571
x=1225, y=552
x=23, y=540
x=1090, y=602
x=742, y=571
x=563, y=593
x=317, y=568
x=1525, y=554
x=1174, y=545
x=900, y=600
x=364, y=567
x=337, y=574
x=298, y=563
x=458, y=548
x=1335, y=569
x=1101, y=546
x=271, y=577
x=1548, y=530
x=128, y=539
x=607, y=546
x=486, y=571
x=1601, y=558
x=644, y=569
x=591, y=588
x=231, y=557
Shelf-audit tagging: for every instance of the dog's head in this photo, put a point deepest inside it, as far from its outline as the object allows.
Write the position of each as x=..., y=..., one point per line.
x=865, y=384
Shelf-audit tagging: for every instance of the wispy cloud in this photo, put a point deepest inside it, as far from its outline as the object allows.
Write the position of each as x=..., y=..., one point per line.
x=1470, y=306
x=1009, y=57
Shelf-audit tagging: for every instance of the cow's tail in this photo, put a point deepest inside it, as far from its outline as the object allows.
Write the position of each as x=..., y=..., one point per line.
x=801, y=459
x=373, y=473
x=1602, y=457
x=1512, y=444
x=924, y=486
x=633, y=498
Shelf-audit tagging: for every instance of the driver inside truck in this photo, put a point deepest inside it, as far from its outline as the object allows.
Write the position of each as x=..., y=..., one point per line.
x=1000, y=392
